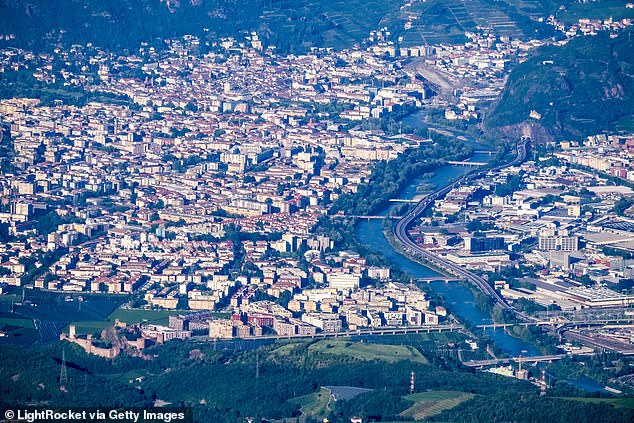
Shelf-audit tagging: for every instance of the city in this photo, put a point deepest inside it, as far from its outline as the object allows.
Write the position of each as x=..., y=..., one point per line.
x=218, y=195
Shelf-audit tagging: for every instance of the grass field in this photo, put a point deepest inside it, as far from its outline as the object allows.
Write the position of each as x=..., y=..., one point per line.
x=315, y=404
x=614, y=9
x=286, y=349
x=10, y=298
x=20, y=336
x=615, y=402
x=158, y=317
x=367, y=351
x=23, y=323
x=428, y=404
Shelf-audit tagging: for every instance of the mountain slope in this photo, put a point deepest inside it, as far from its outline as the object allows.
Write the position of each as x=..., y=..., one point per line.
x=119, y=24
x=578, y=89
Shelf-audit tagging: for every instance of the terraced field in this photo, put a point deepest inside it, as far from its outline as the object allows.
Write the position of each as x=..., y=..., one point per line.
x=428, y=404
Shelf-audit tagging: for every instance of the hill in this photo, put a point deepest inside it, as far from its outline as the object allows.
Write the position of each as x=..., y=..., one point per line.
x=123, y=24
x=579, y=89
x=290, y=26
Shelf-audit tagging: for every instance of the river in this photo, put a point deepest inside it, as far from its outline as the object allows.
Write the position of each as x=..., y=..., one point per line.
x=459, y=299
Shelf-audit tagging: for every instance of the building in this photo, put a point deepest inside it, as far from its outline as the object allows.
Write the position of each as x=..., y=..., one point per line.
x=558, y=243
x=479, y=244
x=344, y=281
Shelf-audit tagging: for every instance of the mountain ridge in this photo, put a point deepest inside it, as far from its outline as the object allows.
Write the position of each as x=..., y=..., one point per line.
x=581, y=88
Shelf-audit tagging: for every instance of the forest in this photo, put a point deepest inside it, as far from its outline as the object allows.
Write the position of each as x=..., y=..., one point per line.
x=117, y=25
x=579, y=89
x=228, y=385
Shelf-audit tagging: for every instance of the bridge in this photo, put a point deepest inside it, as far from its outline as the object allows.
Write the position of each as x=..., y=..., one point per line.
x=402, y=200
x=437, y=279
x=495, y=361
x=356, y=216
x=376, y=217
x=467, y=163
x=564, y=323
x=407, y=330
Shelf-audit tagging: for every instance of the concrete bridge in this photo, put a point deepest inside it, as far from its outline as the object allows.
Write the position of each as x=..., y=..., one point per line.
x=437, y=279
x=403, y=200
x=625, y=321
x=495, y=361
x=467, y=163
x=405, y=330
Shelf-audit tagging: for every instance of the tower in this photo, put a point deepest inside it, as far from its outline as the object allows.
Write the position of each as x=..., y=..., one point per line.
x=63, y=372
x=543, y=384
x=411, y=382
x=521, y=373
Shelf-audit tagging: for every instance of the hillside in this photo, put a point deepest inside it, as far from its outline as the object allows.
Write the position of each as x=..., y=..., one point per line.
x=120, y=24
x=579, y=89
x=291, y=26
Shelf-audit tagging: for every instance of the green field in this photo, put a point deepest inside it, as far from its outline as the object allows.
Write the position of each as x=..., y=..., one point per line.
x=315, y=404
x=368, y=351
x=158, y=317
x=605, y=9
x=288, y=348
x=23, y=323
x=614, y=402
x=21, y=336
x=428, y=404
x=10, y=298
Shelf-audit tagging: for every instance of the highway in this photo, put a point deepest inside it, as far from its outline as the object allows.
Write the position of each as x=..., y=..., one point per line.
x=400, y=232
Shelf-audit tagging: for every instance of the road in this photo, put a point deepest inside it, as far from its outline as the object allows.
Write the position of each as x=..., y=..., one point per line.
x=400, y=232
x=362, y=332
x=597, y=341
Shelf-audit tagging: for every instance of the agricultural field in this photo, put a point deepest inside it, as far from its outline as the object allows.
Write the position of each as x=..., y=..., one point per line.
x=436, y=22
x=428, y=404
x=368, y=351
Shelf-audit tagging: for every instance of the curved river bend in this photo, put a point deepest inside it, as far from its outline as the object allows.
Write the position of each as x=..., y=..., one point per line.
x=457, y=297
